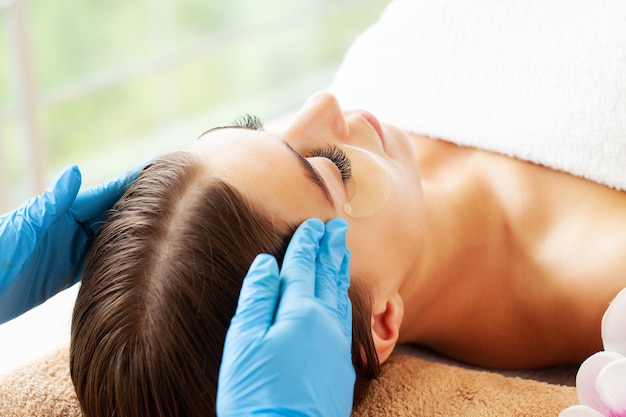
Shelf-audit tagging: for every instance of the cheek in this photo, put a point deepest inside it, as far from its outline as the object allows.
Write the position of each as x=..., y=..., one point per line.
x=405, y=213
x=385, y=245
x=373, y=247
x=367, y=260
x=375, y=266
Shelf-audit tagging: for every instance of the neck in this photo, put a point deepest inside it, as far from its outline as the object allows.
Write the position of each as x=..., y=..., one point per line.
x=437, y=290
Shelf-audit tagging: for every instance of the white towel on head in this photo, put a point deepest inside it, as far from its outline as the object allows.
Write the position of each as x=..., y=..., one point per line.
x=539, y=80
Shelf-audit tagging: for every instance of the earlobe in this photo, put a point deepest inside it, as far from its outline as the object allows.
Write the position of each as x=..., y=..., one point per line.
x=386, y=327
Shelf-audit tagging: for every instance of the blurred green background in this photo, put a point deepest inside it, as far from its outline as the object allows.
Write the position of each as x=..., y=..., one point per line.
x=118, y=81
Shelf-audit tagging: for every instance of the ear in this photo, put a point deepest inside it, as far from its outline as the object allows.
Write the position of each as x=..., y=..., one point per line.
x=386, y=326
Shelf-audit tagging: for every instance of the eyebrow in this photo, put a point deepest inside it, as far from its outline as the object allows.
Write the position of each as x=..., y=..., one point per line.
x=312, y=173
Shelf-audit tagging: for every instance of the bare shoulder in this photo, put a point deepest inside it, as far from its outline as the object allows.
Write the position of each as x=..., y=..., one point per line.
x=571, y=235
x=558, y=259
x=574, y=227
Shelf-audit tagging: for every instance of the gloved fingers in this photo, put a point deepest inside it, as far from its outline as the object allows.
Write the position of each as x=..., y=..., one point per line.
x=94, y=201
x=258, y=297
x=331, y=253
x=298, y=269
x=344, y=305
x=44, y=210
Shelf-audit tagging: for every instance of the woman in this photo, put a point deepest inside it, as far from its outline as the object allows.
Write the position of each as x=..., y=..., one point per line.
x=315, y=274
x=162, y=282
x=488, y=259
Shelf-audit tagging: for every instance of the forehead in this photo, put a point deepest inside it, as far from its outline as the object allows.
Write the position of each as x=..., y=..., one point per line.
x=263, y=168
x=225, y=144
x=241, y=155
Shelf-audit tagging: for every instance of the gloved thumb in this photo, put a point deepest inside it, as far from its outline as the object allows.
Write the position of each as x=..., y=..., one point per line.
x=93, y=202
x=258, y=298
x=44, y=210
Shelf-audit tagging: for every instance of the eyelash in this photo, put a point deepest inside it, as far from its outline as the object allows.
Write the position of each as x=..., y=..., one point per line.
x=337, y=156
x=248, y=121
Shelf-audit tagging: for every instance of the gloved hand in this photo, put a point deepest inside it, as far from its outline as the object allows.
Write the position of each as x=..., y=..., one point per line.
x=287, y=351
x=43, y=243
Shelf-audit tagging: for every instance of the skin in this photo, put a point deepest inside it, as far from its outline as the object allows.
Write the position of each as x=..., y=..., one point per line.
x=485, y=258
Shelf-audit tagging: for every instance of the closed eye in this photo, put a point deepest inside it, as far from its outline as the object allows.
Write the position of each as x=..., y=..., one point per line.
x=248, y=121
x=337, y=156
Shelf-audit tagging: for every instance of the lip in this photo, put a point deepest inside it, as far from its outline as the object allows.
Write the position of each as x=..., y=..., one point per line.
x=373, y=121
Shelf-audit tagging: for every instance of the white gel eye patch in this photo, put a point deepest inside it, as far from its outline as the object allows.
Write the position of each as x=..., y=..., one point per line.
x=368, y=190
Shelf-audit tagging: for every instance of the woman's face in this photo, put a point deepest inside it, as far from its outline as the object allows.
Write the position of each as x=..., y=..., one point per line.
x=283, y=171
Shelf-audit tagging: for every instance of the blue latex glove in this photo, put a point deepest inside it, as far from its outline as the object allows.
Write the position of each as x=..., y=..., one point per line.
x=43, y=243
x=287, y=351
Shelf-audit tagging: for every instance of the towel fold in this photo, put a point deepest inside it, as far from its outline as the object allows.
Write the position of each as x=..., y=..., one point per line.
x=540, y=80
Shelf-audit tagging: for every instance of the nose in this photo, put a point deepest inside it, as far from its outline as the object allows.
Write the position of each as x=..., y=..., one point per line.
x=319, y=122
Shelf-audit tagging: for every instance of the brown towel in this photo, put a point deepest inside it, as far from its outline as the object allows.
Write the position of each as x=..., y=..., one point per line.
x=410, y=386
x=40, y=389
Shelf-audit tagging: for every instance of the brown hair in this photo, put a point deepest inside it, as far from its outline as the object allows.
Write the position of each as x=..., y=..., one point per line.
x=160, y=287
